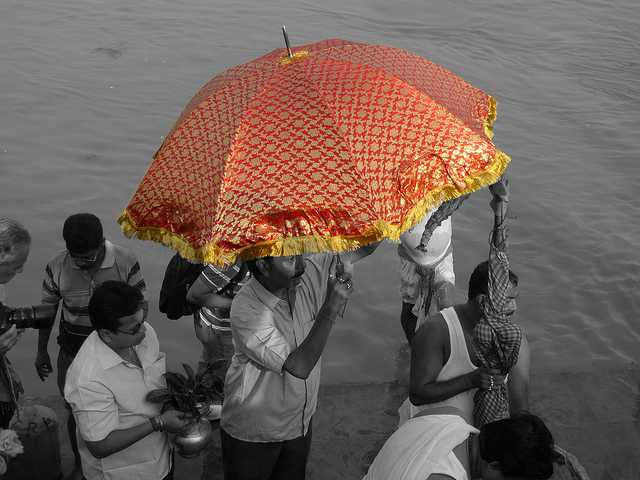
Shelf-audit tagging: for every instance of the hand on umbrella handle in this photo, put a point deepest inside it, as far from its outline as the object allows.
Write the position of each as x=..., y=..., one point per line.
x=340, y=284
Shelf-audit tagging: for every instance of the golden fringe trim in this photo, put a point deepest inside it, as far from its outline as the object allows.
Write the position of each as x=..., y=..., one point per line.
x=491, y=117
x=379, y=230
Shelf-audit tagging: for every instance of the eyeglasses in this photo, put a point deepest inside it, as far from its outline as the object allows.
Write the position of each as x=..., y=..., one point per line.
x=134, y=331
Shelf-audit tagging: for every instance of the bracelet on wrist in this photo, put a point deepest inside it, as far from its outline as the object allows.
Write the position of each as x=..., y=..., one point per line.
x=157, y=423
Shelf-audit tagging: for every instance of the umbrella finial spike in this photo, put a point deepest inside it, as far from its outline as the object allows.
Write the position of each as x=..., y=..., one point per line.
x=286, y=41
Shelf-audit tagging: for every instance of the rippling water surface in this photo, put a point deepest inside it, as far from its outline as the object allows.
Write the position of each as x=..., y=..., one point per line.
x=89, y=88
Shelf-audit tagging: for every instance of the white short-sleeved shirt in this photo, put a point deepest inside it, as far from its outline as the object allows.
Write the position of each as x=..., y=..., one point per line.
x=106, y=393
x=262, y=402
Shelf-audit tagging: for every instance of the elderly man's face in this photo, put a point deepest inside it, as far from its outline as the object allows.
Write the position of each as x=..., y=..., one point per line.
x=12, y=263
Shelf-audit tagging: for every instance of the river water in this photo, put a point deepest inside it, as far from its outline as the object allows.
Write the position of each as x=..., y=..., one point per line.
x=88, y=89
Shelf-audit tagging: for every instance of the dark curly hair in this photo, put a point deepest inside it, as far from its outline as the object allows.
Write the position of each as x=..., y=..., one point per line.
x=479, y=280
x=522, y=445
x=82, y=232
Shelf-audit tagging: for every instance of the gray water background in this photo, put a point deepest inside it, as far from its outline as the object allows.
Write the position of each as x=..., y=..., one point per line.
x=88, y=89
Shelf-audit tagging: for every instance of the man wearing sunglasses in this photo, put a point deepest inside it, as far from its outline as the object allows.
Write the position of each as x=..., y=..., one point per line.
x=122, y=435
x=70, y=279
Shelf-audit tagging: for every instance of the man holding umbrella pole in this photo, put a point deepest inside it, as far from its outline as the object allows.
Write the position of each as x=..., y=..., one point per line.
x=280, y=322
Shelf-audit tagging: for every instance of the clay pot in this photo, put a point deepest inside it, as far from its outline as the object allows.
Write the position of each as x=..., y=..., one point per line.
x=194, y=440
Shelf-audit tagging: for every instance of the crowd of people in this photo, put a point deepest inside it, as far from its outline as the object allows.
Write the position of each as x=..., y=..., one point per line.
x=270, y=320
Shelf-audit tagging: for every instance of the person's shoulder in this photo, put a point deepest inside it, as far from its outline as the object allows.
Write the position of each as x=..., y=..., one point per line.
x=434, y=323
x=433, y=329
x=57, y=261
x=122, y=253
x=86, y=364
x=247, y=308
x=150, y=334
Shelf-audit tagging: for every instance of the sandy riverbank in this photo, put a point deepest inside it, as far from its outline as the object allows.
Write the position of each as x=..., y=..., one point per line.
x=353, y=421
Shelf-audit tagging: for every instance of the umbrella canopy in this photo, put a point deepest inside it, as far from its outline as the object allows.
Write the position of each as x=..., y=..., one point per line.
x=337, y=146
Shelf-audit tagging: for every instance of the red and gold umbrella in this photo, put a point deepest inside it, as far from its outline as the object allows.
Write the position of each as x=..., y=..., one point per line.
x=336, y=146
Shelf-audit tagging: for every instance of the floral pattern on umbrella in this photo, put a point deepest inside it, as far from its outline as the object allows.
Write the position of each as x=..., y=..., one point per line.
x=344, y=144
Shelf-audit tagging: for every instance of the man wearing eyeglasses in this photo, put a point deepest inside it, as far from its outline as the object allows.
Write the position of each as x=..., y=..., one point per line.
x=122, y=435
x=70, y=279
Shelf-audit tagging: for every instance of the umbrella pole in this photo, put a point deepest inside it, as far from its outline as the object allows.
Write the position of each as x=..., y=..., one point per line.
x=286, y=41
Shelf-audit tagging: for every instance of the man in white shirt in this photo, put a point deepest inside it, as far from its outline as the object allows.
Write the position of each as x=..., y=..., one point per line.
x=121, y=435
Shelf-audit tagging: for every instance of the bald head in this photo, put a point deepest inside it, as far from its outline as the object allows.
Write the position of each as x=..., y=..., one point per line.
x=14, y=248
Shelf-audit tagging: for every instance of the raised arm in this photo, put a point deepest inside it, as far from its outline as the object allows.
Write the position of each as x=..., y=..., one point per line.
x=300, y=362
x=358, y=254
x=499, y=284
x=443, y=212
x=203, y=294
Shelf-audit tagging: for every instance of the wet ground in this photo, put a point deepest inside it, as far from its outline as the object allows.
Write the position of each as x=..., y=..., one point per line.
x=353, y=422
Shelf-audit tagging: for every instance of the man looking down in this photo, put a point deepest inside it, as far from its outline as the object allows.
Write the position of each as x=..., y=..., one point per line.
x=121, y=434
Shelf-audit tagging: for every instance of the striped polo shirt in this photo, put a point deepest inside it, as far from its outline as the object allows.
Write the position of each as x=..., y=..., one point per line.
x=65, y=281
x=226, y=282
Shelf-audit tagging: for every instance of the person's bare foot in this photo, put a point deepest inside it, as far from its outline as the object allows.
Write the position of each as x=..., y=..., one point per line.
x=76, y=474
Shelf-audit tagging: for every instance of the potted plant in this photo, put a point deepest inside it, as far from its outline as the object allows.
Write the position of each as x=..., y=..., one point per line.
x=193, y=394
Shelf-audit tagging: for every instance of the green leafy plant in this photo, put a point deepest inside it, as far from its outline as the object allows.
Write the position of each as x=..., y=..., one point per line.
x=185, y=391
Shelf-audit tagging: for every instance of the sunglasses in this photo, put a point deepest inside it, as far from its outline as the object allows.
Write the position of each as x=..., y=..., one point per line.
x=133, y=331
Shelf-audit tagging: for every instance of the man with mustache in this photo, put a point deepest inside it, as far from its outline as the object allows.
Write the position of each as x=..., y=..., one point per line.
x=70, y=279
x=280, y=322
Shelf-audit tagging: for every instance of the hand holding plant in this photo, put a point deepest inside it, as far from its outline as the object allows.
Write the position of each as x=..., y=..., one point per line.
x=187, y=392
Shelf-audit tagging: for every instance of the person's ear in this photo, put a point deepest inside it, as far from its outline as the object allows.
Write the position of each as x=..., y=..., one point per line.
x=480, y=299
x=106, y=336
x=264, y=266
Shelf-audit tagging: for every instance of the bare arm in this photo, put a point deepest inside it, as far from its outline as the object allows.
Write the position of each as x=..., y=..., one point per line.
x=120, y=439
x=498, y=285
x=519, y=379
x=301, y=361
x=202, y=294
x=355, y=256
x=427, y=360
x=43, y=362
x=445, y=295
x=443, y=212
